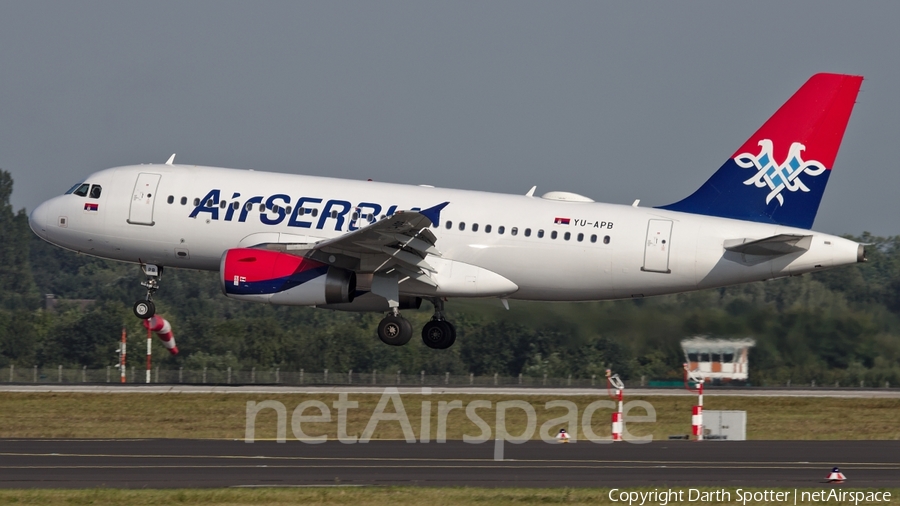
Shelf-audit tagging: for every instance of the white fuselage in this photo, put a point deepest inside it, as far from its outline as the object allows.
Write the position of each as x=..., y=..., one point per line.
x=637, y=251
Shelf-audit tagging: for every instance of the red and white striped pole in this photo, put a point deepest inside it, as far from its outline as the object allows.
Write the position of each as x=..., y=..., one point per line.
x=697, y=417
x=613, y=381
x=697, y=412
x=122, y=357
x=149, y=352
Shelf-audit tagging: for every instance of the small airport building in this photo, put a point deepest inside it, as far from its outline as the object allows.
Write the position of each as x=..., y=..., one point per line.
x=718, y=360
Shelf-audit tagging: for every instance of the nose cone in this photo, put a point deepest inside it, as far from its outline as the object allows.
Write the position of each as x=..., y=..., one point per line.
x=39, y=218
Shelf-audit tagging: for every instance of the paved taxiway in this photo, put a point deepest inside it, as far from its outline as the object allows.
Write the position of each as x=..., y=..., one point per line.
x=163, y=463
x=848, y=393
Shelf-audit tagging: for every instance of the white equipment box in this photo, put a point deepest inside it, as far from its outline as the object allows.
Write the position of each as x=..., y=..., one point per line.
x=727, y=425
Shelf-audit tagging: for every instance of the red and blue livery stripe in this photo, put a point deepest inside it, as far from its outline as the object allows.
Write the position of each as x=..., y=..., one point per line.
x=249, y=271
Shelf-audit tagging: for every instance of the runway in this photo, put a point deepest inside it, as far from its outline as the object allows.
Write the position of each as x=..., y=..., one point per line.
x=847, y=393
x=172, y=463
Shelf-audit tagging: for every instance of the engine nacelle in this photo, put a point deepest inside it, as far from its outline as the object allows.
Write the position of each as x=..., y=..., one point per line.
x=280, y=278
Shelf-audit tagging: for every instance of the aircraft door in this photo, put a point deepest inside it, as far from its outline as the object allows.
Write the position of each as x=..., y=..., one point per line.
x=656, y=249
x=143, y=198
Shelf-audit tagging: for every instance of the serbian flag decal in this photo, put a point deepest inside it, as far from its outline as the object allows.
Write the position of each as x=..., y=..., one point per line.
x=90, y=206
x=561, y=221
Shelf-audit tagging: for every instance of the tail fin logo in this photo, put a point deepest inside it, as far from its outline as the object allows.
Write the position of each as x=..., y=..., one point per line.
x=778, y=177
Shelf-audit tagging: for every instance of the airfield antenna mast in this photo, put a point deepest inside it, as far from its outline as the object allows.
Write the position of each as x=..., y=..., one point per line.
x=614, y=382
x=122, y=357
x=697, y=413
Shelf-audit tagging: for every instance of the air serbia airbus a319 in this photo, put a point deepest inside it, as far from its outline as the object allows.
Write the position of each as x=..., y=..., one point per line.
x=370, y=246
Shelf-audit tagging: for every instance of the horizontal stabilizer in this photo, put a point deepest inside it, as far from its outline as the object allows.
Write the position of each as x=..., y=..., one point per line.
x=781, y=244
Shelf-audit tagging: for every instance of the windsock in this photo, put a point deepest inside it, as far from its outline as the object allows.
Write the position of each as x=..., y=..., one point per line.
x=162, y=328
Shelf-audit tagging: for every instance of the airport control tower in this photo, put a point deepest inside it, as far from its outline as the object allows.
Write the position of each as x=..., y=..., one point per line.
x=718, y=360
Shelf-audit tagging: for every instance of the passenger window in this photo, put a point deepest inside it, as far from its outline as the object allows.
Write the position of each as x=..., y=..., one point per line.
x=262, y=208
x=209, y=203
x=196, y=202
x=276, y=209
x=487, y=229
x=95, y=191
x=514, y=230
x=315, y=212
x=183, y=200
x=302, y=211
x=594, y=238
x=286, y=209
x=527, y=232
x=462, y=225
x=449, y=225
x=170, y=199
x=580, y=237
x=567, y=236
x=474, y=227
x=553, y=234
x=236, y=205
x=223, y=204
x=501, y=229
x=541, y=234
x=82, y=190
x=606, y=240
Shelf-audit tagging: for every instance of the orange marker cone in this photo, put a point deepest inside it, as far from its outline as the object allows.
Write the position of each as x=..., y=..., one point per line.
x=836, y=476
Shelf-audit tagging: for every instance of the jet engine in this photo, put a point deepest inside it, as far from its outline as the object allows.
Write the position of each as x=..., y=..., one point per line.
x=280, y=278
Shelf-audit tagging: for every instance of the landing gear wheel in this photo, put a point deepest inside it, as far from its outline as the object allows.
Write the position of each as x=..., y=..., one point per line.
x=438, y=334
x=144, y=309
x=394, y=330
x=452, y=333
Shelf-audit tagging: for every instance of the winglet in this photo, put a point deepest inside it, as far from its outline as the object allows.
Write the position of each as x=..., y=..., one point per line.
x=171, y=159
x=531, y=191
x=434, y=213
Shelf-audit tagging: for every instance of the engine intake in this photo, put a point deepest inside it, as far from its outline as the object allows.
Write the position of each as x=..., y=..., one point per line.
x=280, y=278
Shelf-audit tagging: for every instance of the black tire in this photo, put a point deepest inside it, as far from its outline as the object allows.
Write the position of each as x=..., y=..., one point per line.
x=438, y=334
x=144, y=309
x=394, y=330
x=452, y=333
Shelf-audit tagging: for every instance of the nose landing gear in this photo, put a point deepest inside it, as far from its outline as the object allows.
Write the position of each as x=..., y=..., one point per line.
x=145, y=308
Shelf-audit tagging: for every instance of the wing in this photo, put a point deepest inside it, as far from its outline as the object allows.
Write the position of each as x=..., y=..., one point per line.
x=397, y=243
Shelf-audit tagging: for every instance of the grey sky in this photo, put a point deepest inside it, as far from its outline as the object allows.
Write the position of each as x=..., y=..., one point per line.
x=613, y=100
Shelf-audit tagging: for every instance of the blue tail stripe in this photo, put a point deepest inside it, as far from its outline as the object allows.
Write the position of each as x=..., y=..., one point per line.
x=726, y=195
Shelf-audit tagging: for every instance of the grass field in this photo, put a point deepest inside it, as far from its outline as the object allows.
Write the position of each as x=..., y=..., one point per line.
x=378, y=496
x=51, y=415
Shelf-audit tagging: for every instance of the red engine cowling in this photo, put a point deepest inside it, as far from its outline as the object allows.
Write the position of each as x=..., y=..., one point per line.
x=279, y=278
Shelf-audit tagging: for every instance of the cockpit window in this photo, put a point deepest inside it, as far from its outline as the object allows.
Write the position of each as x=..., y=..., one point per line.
x=95, y=191
x=72, y=189
x=82, y=190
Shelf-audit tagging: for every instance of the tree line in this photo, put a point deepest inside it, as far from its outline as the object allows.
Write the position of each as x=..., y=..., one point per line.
x=835, y=326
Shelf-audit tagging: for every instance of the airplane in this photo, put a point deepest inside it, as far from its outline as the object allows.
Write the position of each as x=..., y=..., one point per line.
x=372, y=246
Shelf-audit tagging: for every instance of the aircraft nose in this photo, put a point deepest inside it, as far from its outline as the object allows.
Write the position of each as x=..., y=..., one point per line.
x=39, y=218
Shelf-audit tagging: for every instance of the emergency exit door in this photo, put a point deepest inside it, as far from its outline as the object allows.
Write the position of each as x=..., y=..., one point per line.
x=656, y=249
x=143, y=198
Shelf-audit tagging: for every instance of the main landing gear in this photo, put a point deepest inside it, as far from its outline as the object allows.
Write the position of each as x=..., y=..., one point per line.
x=145, y=308
x=438, y=334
